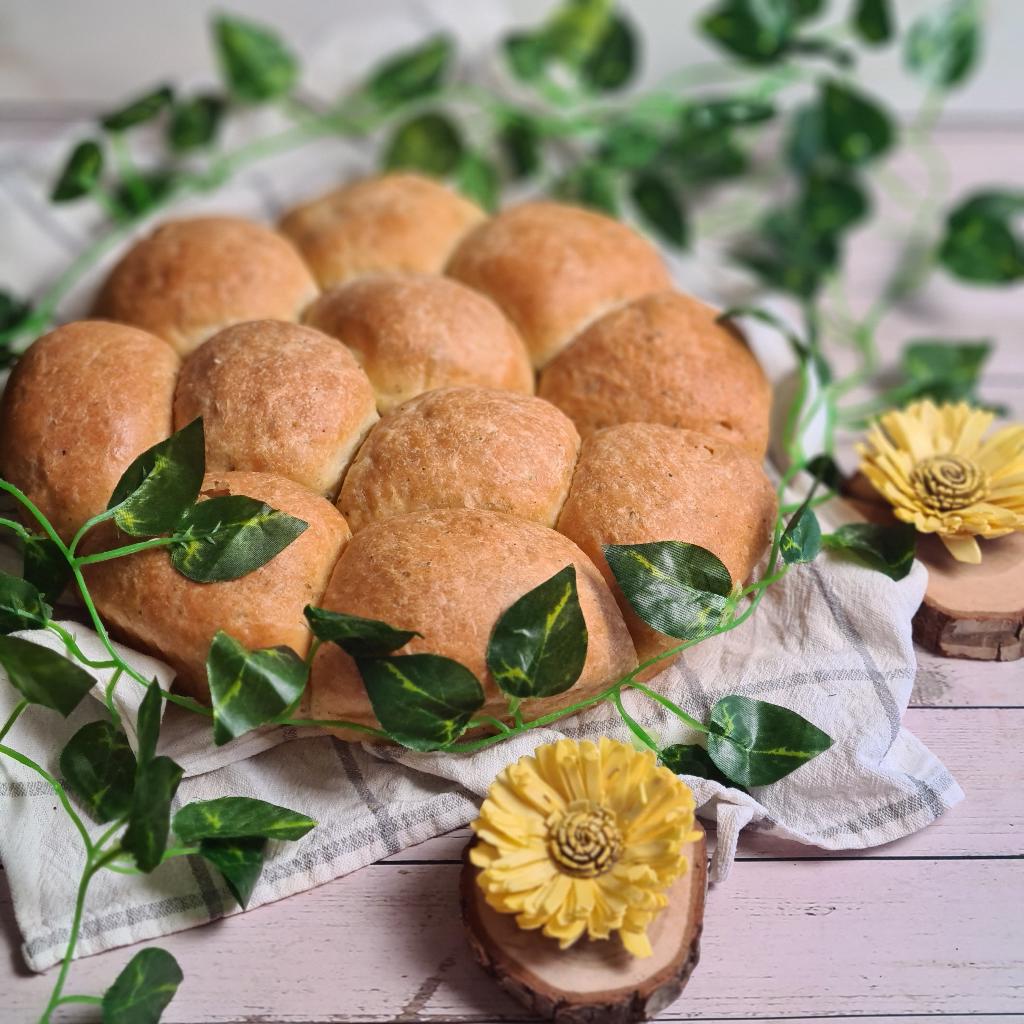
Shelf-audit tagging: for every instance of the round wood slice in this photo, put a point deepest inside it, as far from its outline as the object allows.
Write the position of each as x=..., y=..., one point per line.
x=592, y=982
x=969, y=611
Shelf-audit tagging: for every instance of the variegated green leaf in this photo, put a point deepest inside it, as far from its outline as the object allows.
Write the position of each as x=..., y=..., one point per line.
x=141, y=992
x=21, y=605
x=755, y=743
x=145, y=838
x=539, y=645
x=248, y=688
x=679, y=589
x=240, y=861
x=161, y=485
x=801, y=540
x=362, y=638
x=238, y=817
x=43, y=676
x=229, y=536
x=99, y=767
x=423, y=701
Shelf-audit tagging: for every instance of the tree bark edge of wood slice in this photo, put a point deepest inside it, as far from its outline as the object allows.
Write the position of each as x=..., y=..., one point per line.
x=968, y=611
x=609, y=986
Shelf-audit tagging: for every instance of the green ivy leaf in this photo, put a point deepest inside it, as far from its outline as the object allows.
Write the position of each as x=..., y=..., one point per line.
x=145, y=838
x=21, y=605
x=239, y=817
x=520, y=141
x=478, y=179
x=45, y=566
x=362, y=638
x=660, y=208
x=429, y=142
x=575, y=30
x=412, y=74
x=693, y=759
x=980, y=244
x=227, y=537
x=592, y=185
x=43, y=676
x=81, y=173
x=755, y=743
x=255, y=63
x=832, y=202
x=240, y=861
x=99, y=767
x=888, y=549
x=141, y=992
x=758, y=31
x=679, y=589
x=423, y=701
x=539, y=645
x=872, y=21
x=942, y=45
x=801, y=540
x=629, y=145
x=161, y=485
x=527, y=55
x=138, y=196
x=789, y=254
x=805, y=142
x=855, y=128
x=195, y=122
x=140, y=110
x=712, y=115
x=824, y=468
x=612, y=62
x=248, y=688
x=945, y=371
x=147, y=722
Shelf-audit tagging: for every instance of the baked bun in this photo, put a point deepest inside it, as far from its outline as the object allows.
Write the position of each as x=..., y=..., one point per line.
x=464, y=448
x=147, y=603
x=80, y=405
x=277, y=398
x=450, y=574
x=662, y=359
x=391, y=222
x=190, y=278
x=415, y=332
x=554, y=268
x=645, y=482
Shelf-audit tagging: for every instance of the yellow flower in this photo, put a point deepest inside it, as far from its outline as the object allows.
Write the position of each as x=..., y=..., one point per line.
x=584, y=837
x=937, y=469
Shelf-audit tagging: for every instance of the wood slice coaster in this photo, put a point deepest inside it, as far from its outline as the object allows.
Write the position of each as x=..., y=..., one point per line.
x=969, y=611
x=591, y=982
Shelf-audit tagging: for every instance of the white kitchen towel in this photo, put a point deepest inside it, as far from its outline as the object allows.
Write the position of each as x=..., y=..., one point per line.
x=832, y=641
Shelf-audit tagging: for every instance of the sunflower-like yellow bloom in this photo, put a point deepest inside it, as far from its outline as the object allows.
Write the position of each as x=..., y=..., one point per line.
x=584, y=837
x=939, y=471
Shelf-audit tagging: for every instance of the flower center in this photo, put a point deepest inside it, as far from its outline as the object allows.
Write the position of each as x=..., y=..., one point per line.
x=945, y=483
x=584, y=840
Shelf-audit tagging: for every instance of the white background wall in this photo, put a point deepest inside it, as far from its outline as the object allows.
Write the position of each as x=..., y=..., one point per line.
x=95, y=51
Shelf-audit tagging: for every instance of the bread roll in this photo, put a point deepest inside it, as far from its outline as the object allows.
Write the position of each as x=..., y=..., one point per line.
x=190, y=278
x=415, y=332
x=554, y=268
x=646, y=482
x=80, y=405
x=148, y=604
x=464, y=448
x=277, y=398
x=450, y=574
x=662, y=359
x=391, y=222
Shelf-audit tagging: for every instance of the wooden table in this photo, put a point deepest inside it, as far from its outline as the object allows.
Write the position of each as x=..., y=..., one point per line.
x=932, y=926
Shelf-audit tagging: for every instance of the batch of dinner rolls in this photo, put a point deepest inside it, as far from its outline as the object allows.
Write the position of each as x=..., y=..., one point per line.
x=458, y=405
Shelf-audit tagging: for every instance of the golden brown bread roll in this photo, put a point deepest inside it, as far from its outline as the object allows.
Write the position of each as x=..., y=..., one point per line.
x=646, y=482
x=391, y=222
x=192, y=277
x=80, y=405
x=662, y=359
x=450, y=574
x=464, y=448
x=277, y=398
x=554, y=268
x=415, y=332
x=147, y=603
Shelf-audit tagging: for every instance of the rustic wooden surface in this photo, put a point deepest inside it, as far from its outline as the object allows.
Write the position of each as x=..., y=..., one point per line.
x=929, y=927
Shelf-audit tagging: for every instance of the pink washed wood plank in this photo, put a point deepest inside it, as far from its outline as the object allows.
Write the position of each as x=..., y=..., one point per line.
x=957, y=682
x=817, y=938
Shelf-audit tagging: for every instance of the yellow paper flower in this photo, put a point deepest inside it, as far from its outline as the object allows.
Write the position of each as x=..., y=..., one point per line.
x=937, y=469
x=584, y=837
